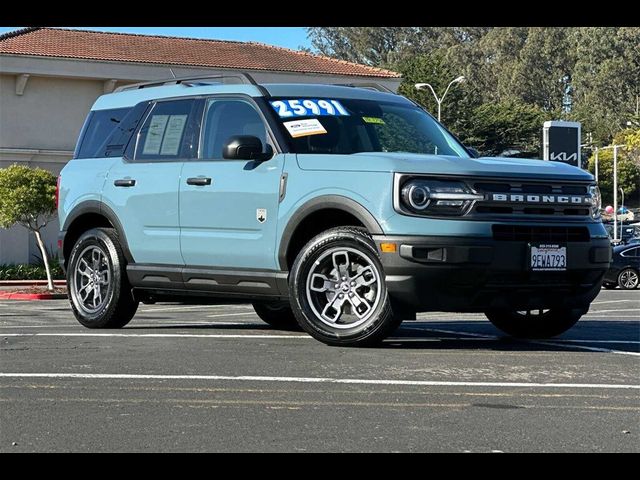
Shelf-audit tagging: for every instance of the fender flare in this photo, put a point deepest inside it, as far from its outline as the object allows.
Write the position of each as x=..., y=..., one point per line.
x=99, y=208
x=324, y=202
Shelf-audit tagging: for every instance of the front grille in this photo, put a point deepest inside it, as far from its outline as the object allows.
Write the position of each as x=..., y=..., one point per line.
x=529, y=199
x=523, y=233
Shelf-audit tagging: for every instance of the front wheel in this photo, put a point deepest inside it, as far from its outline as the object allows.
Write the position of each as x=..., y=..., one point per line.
x=628, y=279
x=337, y=289
x=99, y=291
x=543, y=323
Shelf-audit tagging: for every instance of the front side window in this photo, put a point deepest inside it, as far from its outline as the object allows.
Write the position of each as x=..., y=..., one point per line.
x=346, y=126
x=163, y=135
x=225, y=118
x=632, y=252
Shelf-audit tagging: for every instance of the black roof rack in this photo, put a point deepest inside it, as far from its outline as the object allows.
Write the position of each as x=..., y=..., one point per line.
x=367, y=85
x=240, y=77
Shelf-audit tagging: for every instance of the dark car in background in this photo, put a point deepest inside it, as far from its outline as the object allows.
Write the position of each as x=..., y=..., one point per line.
x=624, y=271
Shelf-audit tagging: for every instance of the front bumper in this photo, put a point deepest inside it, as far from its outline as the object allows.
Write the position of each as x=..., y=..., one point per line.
x=468, y=274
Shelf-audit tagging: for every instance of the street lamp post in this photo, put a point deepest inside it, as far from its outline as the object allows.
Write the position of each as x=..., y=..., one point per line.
x=622, y=208
x=420, y=86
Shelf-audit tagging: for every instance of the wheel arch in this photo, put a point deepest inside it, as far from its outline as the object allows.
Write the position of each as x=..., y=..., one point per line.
x=317, y=215
x=88, y=215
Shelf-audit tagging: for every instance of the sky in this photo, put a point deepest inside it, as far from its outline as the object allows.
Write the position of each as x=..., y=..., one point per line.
x=289, y=37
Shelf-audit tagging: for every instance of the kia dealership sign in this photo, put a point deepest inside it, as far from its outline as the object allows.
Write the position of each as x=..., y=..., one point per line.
x=561, y=142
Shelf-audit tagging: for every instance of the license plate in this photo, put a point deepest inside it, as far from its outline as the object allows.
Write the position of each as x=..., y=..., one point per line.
x=548, y=258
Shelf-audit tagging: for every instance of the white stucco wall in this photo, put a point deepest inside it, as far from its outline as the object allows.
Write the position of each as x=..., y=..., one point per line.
x=39, y=128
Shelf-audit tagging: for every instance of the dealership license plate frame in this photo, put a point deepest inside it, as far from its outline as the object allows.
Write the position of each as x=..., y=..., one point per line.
x=543, y=248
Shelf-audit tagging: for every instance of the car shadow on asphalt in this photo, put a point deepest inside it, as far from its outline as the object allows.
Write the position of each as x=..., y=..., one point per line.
x=599, y=335
x=587, y=335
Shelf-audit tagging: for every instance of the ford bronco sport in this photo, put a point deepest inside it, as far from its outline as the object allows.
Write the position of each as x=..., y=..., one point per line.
x=338, y=209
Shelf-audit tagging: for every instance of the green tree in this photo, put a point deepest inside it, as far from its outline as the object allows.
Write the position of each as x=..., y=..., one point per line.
x=605, y=78
x=628, y=174
x=387, y=46
x=27, y=198
x=508, y=125
x=438, y=70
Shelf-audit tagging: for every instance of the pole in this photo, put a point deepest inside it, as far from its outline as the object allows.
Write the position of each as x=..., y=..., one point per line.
x=615, y=193
x=596, y=164
x=439, y=103
x=622, y=206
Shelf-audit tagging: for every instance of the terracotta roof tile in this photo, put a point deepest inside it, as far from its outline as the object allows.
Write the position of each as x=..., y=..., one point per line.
x=123, y=47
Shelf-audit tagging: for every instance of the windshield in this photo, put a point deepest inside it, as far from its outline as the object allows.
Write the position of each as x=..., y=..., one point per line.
x=346, y=126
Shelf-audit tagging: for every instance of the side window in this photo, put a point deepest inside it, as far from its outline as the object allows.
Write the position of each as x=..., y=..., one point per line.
x=632, y=252
x=224, y=118
x=99, y=127
x=163, y=137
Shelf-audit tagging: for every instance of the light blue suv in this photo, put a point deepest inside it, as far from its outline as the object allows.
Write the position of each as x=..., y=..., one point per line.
x=338, y=209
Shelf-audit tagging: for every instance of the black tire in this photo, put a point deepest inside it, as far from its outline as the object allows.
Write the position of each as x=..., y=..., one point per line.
x=535, y=325
x=628, y=279
x=277, y=314
x=609, y=286
x=369, y=329
x=118, y=306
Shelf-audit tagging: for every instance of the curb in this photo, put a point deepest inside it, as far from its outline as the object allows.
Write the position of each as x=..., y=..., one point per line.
x=31, y=296
x=30, y=283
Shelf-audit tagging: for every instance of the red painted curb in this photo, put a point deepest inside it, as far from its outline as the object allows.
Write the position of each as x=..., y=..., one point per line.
x=31, y=296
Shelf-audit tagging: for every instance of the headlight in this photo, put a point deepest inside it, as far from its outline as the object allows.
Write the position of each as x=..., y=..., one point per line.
x=596, y=201
x=437, y=197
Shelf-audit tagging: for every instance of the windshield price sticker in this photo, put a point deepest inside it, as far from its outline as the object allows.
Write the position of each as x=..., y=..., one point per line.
x=305, y=107
x=548, y=258
x=303, y=128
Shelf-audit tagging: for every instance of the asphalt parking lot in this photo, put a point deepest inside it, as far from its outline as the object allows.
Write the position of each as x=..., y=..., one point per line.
x=215, y=378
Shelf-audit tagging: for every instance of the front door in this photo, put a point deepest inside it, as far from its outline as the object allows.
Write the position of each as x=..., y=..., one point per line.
x=229, y=208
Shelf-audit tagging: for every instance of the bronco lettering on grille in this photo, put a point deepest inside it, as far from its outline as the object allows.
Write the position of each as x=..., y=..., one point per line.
x=519, y=198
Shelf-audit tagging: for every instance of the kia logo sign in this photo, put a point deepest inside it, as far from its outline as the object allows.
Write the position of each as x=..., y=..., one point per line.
x=563, y=157
x=561, y=142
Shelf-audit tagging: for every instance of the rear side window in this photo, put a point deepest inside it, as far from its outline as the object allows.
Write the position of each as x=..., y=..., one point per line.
x=164, y=134
x=100, y=125
x=633, y=252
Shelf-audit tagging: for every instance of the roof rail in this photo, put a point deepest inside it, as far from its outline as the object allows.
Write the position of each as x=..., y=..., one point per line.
x=367, y=85
x=242, y=77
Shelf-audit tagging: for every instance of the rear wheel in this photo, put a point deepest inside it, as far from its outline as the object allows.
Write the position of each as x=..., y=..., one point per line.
x=542, y=323
x=628, y=279
x=337, y=289
x=99, y=291
x=277, y=314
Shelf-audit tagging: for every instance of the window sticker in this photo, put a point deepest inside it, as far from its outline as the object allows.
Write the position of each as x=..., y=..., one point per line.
x=173, y=135
x=303, y=128
x=154, y=134
x=305, y=107
x=377, y=120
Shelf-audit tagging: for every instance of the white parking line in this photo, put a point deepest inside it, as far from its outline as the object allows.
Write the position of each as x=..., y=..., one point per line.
x=217, y=315
x=354, y=381
x=613, y=301
x=152, y=335
x=637, y=310
x=178, y=308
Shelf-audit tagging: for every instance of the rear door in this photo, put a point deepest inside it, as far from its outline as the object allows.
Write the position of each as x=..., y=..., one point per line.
x=142, y=187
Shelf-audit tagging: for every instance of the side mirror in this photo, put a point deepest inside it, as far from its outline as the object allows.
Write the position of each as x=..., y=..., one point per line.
x=246, y=147
x=473, y=152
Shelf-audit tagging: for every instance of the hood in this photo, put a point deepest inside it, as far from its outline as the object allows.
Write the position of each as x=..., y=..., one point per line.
x=444, y=165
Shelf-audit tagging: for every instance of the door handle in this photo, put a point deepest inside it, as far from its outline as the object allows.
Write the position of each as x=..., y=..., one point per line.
x=200, y=181
x=125, y=182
